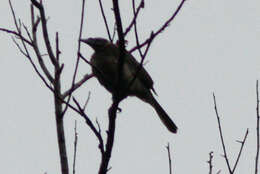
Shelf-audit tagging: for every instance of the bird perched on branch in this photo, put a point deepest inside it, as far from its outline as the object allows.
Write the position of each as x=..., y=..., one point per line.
x=134, y=79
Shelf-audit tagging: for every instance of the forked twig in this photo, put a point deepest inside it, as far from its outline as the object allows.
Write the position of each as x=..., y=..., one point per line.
x=240, y=151
x=221, y=135
x=69, y=92
x=231, y=171
x=161, y=29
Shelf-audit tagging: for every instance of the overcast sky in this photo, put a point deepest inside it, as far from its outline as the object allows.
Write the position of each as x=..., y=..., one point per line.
x=212, y=46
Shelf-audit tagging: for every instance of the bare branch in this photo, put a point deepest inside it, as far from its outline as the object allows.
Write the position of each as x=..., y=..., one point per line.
x=16, y=34
x=221, y=135
x=39, y=6
x=136, y=33
x=169, y=158
x=105, y=20
x=110, y=138
x=218, y=172
x=57, y=47
x=77, y=85
x=240, y=151
x=78, y=58
x=36, y=48
x=257, y=129
x=210, y=162
x=24, y=42
x=91, y=126
x=141, y=5
x=27, y=32
x=75, y=147
x=166, y=24
x=86, y=103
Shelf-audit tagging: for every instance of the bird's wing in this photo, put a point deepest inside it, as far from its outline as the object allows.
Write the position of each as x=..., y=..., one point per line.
x=143, y=75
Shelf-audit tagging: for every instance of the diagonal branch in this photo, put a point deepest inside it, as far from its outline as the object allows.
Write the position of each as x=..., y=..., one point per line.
x=24, y=41
x=105, y=20
x=141, y=5
x=77, y=85
x=73, y=87
x=16, y=34
x=166, y=24
x=91, y=126
x=240, y=151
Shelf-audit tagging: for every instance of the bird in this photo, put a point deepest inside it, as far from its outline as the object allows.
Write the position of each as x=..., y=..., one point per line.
x=134, y=78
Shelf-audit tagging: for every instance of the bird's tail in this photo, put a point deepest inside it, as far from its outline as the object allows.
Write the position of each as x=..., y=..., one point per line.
x=171, y=126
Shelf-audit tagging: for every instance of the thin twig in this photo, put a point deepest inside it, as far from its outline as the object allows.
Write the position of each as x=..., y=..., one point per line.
x=90, y=124
x=141, y=5
x=77, y=85
x=218, y=172
x=105, y=19
x=26, y=53
x=78, y=57
x=36, y=48
x=16, y=34
x=221, y=135
x=166, y=24
x=136, y=33
x=169, y=158
x=114, y=32
x=86, y=103
x=75, y=147
x=240, y=151
x=39, y=6
x=257, y=129
x=210, y=162
x=27, y=32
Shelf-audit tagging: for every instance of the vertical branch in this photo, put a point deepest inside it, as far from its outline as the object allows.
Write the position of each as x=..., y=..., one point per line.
x=75, y=147
x=57, y=88
x=135, y=31
x=45, y=31
x=210, y=162
x=121, y=41
x=59, y=114
x=221, y=136
x=169, y=158
x=110, y=138
x=257, y=129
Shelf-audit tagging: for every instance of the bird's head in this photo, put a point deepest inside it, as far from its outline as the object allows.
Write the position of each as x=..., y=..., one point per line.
x=98, y=44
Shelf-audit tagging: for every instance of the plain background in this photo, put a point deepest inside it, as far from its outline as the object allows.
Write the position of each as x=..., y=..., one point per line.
x=211, y=46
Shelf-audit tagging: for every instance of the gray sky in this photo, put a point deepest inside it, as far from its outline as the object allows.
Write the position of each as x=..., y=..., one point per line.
x=212, y=46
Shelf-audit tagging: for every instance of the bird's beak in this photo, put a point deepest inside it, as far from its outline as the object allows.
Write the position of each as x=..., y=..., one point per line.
x=88, y=41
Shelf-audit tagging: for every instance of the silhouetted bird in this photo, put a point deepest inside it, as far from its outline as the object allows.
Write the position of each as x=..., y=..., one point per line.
x=105, y=67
